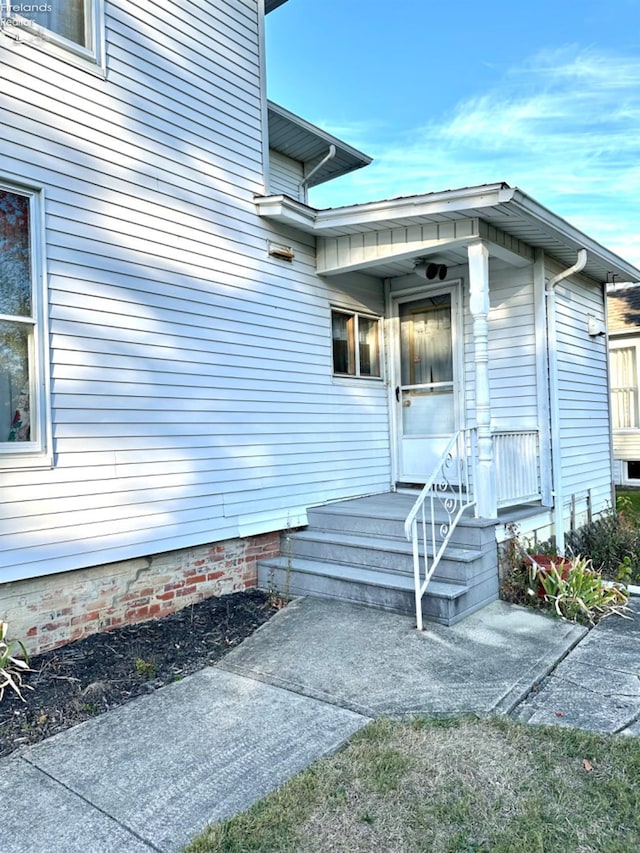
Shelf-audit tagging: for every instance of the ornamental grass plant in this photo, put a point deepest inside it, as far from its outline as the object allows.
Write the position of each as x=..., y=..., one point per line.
x=12, y=667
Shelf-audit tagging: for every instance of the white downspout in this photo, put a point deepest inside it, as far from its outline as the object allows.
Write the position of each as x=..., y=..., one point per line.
x=305, y=181
x=550, y=293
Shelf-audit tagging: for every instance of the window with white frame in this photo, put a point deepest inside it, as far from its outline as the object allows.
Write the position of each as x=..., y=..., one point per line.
x=22, y=336
x=74, y=25
x=356, y=344
x=624, y=386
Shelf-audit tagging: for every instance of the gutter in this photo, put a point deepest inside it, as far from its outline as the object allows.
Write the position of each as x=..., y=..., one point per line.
x=304, y=183
x=554, y=407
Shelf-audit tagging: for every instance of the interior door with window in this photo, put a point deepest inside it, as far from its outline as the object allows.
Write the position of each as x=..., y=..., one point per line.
x=426, y=377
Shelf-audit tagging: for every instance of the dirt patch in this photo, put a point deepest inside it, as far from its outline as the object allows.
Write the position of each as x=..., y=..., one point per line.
x=94, y=675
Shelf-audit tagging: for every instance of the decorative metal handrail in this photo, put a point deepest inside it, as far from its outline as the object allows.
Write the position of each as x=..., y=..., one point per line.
x=448, y=490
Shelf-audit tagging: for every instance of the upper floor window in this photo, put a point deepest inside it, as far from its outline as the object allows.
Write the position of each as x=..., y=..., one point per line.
x=22, y=336
x=356, y=344
x=74, y=25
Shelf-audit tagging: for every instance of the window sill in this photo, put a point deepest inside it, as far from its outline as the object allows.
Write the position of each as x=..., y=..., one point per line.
x=12, y=460
x=344, y=378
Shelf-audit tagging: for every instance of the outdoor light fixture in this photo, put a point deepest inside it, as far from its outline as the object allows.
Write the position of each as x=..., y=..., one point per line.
x=431, y=270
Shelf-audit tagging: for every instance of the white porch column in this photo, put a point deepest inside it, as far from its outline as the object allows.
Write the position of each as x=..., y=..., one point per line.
x=485, y=472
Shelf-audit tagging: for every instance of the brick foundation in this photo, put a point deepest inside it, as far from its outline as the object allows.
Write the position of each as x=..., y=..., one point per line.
x=53, y=610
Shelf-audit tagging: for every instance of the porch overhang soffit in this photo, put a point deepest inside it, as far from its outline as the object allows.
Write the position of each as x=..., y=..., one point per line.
x=370, y=249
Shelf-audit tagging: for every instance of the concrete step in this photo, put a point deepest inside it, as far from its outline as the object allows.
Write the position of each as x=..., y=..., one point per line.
x=356, y=550
x=387, y=519
x=387, y=554
x=446, y=603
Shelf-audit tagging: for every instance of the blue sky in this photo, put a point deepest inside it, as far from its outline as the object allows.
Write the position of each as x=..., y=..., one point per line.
x=544, y=95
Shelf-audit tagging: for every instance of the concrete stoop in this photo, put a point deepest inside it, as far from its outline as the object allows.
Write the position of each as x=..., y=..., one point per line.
x=355, y=550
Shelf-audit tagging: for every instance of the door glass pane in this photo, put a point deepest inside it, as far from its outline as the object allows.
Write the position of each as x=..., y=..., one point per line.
x=426, y=353
x=15, y=262
x=426, y=348
x=15, y=415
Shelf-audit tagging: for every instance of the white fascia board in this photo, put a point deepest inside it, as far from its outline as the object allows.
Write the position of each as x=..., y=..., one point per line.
x=568, y=233
x=286, y=210
x=615, y=334
x=281, y=208
x=450, y=201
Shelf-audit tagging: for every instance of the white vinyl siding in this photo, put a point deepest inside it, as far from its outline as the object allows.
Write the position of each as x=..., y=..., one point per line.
x=285, y=176
x=512, y=352
x=585, y=427
x=512, y=370
x=192, y=391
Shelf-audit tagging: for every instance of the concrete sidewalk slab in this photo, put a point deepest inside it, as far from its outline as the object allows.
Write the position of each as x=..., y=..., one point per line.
x=151, y=774
x=160, y=768
x=376, y=663
x=598, y=686
x=41, y=816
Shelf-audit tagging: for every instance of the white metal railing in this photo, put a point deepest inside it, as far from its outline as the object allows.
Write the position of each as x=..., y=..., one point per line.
x=516, y=455
x=436, y=512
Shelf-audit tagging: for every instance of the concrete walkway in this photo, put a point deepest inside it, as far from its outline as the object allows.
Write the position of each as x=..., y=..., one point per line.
x=151, y=774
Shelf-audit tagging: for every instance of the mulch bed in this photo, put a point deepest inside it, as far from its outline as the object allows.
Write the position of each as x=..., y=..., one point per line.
x=94, y=675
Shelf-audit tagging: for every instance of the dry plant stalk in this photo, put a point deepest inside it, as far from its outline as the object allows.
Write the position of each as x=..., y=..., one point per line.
x=12, y=668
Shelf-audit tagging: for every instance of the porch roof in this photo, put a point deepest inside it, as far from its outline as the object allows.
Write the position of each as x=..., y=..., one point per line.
x=507, y=209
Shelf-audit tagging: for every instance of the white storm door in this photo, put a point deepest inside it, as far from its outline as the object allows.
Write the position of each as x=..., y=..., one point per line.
x=425, y=393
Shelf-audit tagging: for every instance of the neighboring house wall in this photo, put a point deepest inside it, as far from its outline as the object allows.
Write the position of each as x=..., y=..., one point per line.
x=624, y=343
x=624, y=367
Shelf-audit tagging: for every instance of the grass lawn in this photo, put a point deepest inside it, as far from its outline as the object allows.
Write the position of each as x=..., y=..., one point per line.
x=633, y=495
x=452, y=785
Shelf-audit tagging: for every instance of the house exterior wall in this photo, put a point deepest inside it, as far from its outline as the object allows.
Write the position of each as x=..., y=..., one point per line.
x=583, y=396
x=285, y=176
x=518, y=387
x=192, y=391
x=512, y=351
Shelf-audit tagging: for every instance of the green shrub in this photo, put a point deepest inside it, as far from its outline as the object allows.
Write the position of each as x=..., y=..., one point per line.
x=612, y=542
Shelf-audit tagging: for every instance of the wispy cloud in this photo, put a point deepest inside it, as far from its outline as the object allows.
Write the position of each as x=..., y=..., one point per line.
x=564, y=126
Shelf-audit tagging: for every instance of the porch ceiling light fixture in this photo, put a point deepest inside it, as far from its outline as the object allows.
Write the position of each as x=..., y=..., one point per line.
x=431, y=270
x=280, y=251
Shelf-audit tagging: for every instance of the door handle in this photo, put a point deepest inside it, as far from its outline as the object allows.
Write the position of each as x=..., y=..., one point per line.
x=397, y=393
